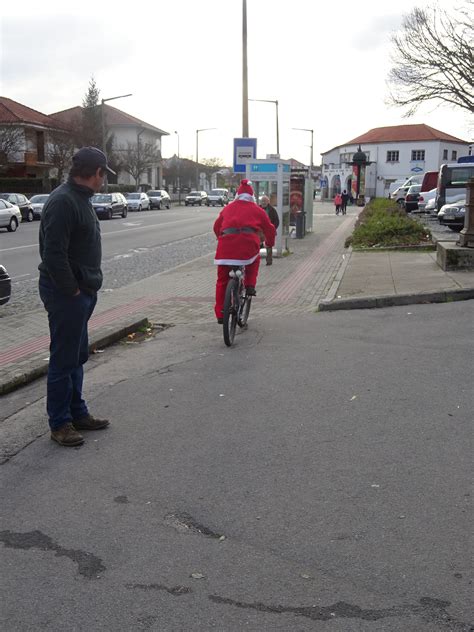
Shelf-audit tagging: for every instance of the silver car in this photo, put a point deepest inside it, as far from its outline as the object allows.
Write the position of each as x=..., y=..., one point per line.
x=138, y=202
x=10, y=216
x=37, y=202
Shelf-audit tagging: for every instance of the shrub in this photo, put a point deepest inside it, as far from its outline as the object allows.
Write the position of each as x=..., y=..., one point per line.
x=382, y=223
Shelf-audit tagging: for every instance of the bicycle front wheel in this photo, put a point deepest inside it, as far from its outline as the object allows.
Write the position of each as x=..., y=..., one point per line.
x=230, y=311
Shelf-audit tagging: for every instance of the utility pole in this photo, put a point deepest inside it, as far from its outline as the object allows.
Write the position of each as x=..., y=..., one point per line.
x=245, y=90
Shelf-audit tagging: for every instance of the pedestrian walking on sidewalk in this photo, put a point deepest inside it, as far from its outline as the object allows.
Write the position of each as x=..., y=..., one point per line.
x=238, y=229
x=338, y=202
x=70, y=277
x=344, y=201
x=273, y=217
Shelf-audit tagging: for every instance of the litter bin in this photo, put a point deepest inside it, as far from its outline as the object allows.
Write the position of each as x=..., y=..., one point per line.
x=300, y=224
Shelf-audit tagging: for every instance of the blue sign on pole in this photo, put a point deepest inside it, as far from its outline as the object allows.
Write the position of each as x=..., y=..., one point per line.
x=245, y=149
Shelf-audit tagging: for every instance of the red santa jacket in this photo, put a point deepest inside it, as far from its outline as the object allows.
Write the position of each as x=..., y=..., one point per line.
x=241, y=248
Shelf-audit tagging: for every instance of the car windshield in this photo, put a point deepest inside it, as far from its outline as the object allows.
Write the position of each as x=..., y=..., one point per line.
x=194, y=193
x=134, y=196
x=153, y=193
x=39, y=199
x=216, y=192
x=102, y=198
x=415, y=188
x=4, y=196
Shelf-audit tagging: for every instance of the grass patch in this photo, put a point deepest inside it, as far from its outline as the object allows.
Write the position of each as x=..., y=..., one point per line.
x=382, y=224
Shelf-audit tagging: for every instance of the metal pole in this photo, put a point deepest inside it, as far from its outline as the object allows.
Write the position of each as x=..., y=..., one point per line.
x=197, y=160
x=179, y=173
x=245, y=92
x=102, y=117
x=278, y=130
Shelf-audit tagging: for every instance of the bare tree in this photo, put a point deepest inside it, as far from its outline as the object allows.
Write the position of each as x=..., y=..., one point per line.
x=433, y=58
x=210, y=166
x=60, y=152
x=11, y=141
x=136, y=158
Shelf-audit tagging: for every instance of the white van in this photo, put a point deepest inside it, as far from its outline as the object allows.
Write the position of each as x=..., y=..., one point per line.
x=399, y=193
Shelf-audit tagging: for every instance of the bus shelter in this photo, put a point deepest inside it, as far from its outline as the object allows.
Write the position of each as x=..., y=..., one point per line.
x=271, y=177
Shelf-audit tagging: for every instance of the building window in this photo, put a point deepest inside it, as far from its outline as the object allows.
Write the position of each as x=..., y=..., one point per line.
x=445, y=154
x=392, y=156
x=417, y=154
x=454, y=155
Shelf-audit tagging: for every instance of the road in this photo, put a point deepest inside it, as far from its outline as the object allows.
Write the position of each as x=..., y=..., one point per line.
x=315, y=478
x=138, y=246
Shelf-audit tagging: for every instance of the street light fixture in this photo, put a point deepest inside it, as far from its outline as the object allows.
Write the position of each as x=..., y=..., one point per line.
x=204, y=129
x=121, y=96
x=304, y=129
x=277, y=128
x=179, y=171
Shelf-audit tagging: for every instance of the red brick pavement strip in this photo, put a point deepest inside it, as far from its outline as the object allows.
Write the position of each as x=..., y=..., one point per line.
x=288, y=289
x=37, y=344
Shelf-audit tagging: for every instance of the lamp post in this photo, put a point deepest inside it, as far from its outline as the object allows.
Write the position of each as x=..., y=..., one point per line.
x=277, y=127
x=204, y=129
x=139, y=173
x=102, y=117
x=179, y=171
x=305, y=129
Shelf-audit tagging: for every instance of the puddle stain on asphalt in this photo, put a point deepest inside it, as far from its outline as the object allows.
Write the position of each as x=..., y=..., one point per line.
x=172, y=590
x=432, y=610
x=89, y=565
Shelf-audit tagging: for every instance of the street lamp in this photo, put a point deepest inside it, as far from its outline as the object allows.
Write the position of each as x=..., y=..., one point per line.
x=204, y=129
x=277, y=128
x=122, y=96
x=179, y=170
x=304, y=129
x=139, y=173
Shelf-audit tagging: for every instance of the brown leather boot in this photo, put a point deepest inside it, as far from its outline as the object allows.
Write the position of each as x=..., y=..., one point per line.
x=67, y=436
x=90, y=423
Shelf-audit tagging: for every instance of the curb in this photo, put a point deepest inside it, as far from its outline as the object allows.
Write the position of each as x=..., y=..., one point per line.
x=371, y=302
x=40, y=367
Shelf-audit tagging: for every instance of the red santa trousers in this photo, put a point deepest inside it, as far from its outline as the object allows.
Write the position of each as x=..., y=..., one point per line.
x=251, y=273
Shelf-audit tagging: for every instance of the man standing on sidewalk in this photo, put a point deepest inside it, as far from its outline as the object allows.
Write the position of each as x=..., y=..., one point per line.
x=70, y=277
x=273, y=216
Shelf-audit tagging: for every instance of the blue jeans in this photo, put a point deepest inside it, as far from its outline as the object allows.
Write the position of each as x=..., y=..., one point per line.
x=68, y=351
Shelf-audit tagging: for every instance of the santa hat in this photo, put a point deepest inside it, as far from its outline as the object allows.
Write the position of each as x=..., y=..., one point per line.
x=245, y=187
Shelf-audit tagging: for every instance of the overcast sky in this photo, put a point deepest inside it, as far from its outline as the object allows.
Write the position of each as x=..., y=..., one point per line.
x=326, y=63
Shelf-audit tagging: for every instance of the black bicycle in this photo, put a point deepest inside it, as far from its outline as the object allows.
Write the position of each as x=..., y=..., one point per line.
x=236, y=304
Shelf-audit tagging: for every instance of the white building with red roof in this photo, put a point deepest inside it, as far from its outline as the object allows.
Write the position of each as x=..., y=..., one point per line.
x=394, y=153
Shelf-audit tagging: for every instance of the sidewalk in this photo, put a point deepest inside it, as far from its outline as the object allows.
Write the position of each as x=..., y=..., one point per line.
x=319, y=273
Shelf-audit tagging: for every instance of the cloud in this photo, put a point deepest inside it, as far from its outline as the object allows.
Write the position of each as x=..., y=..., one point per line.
x=376, y=33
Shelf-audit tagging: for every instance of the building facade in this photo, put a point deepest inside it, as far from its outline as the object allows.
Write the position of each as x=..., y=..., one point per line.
x=393, y=153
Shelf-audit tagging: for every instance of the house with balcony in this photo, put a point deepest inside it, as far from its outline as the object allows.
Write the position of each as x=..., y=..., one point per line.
x=393, y=153
x=125, y=133
x=27, y=141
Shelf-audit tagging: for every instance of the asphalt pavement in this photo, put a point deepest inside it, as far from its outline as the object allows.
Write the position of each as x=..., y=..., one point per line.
x=315, y=476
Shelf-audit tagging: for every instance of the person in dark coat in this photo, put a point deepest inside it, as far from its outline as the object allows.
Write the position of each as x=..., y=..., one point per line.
x=70, y=277
x=345, y=200
x=273, y=217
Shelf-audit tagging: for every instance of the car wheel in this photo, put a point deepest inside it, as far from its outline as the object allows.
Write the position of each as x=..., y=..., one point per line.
x=159, y=206
x=168, y=206
x=200, y=203
x=124, y=213
x=139, y=208
x=456, y=229
x=30, y=216
x=13, y=225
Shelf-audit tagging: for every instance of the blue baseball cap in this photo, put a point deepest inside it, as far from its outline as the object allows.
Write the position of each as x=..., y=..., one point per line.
x=91, y=157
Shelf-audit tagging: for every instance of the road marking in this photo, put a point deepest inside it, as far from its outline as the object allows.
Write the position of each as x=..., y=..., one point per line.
x=19, y=247
x=20, y=276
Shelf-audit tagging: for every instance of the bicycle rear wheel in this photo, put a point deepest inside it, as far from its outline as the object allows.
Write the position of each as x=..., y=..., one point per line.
x=231, y=306
x=245, y=311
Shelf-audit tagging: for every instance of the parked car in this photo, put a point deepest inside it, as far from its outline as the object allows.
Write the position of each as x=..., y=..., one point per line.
x=218, y=196
x=23, y=203
x=425, y=197
x=196, y=197
x=109, y=204
x=159, y=198
x=452, y=215
x=138, y=202
x=5, y=286
x=37, y=202
x=411, y=198
x=431, y=206
x=10, y=216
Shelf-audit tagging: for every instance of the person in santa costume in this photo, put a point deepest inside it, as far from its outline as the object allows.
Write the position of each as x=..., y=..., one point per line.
x=238, y=229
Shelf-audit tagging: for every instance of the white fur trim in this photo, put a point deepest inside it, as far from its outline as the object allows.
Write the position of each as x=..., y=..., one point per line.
x=235, y=262
x=246, y=197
